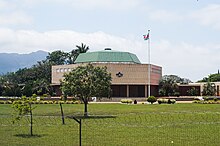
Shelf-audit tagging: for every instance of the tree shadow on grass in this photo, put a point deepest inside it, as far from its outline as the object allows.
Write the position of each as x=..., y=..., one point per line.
x=29, y=136
x=92, y=117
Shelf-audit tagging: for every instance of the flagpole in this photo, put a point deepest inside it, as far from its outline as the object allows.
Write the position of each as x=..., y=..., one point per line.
x=149, y=66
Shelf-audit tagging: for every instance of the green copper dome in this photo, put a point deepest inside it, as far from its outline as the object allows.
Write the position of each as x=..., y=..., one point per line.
x=107, y=56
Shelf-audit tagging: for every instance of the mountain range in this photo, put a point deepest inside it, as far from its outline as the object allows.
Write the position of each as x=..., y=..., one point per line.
x=11, y=62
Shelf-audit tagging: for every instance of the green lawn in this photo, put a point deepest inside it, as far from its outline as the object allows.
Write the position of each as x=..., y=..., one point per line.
x=116, y=124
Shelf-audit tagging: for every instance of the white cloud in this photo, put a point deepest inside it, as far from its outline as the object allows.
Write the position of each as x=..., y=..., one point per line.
x=89, y=4
x=106, y=4
x=15, y=18
x=23, y=41
x=165, y=16
x=186, y=60
x=5, y=5
x=208, y=16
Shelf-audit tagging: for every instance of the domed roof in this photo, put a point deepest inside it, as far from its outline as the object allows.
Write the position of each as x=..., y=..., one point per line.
x=107, y=56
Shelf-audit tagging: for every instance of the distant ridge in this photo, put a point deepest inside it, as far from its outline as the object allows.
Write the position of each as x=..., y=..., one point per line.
x=11, y=62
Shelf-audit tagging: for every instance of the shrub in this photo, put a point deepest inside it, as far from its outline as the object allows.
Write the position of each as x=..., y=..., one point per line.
x=2, y=102
x=151, y=99
x=77, y=102
x=215, y=99
x=62, y=102
x=50, y=102
x=56, y=102
x=34, y=95
x=162, y=100
x=7, y=102
x=69, y=102
x=206, y=98
x=172, y=101
x=166, y=101
x=45, y=95
x=126, y=101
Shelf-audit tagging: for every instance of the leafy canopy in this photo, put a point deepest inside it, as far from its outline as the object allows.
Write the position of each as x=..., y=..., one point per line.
x=168, y=85
x=209, y=89
x=211, y=78
x=87, y=81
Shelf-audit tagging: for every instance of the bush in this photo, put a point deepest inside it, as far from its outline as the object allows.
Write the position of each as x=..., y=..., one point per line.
x=1, y=102
x=166, y=101
x=162, y=100
x=34, y=95
x=62, y=102
x=126, y=101
x=151, y=99
x=77, y=102
x=50, y=102
x=206, y=98
x=6, y=102
x=69, y=102
x=55, y=102
x=215, y=99
x=172, y=101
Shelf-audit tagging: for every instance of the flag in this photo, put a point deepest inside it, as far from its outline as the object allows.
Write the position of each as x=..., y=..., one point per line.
x=146, y=37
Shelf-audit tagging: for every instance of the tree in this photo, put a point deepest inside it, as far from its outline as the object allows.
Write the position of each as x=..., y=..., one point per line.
x=211, y=78
x=193, y=91
x=75, y=53
x=57, y=57
x=85, y=82
x=209, y=89
x=72, y=56
x=82, y=49
x=23, y=107
x=168, y=85
x=151, y=99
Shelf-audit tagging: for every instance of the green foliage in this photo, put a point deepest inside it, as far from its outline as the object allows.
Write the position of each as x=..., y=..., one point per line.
x=34, y=95
x=151, y=99
x=57, y=57
x=207, y=100
x=22, y=107
x=87, y=81
x=209, y=89
x=211, y=78
x=27, y=90
x=168, y=85
x=166, y=101
x=37, y=78
x=75, y=53
x=128, y=101
x=193, y=91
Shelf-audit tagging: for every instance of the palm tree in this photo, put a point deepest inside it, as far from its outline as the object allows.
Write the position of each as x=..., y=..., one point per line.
x=82, y=49
x=75, y=53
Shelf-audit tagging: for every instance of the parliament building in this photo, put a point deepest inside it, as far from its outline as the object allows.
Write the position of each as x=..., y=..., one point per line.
x=129, y=75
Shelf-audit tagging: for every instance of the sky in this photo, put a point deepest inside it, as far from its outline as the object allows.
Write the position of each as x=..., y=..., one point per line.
x=184, y=34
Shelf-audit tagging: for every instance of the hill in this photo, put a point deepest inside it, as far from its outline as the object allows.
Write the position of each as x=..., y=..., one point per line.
x=10, y=62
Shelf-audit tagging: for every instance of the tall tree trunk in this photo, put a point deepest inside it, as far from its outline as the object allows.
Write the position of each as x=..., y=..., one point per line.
x=85, y=108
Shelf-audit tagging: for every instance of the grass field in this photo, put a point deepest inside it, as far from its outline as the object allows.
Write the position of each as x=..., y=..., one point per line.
x=116, y=124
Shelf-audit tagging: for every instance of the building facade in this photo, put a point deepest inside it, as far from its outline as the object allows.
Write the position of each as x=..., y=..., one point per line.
x=129, y=75
x=184, y=88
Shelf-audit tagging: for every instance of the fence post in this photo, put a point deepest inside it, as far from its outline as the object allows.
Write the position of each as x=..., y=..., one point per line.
x=80, y=129
x=61, y=109
x=80, y=132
